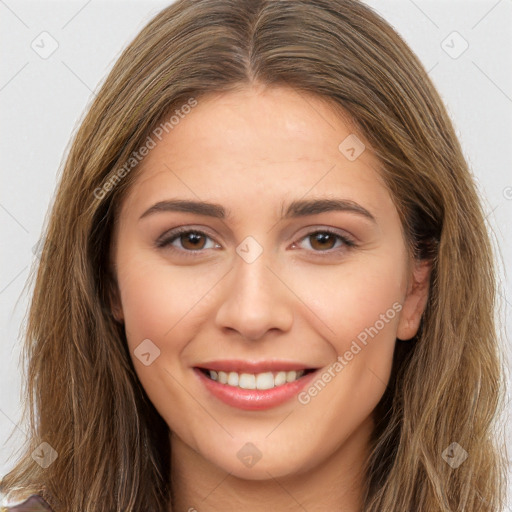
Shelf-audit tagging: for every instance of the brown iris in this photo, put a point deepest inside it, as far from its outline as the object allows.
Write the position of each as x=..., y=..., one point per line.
x=322, y=238
x=192, y=238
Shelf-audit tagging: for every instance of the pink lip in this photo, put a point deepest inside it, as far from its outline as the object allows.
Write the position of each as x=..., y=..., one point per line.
x=254, y=399
x=239, y=366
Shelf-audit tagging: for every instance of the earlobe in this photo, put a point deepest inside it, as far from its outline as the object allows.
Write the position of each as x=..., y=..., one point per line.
x=415, y=300
x=117, y=313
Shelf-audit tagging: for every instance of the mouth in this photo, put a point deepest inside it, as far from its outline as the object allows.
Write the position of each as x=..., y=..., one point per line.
x=261, y=381
x=253, y=385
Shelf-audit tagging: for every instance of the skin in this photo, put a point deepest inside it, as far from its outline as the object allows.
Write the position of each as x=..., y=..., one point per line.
x=251, y=151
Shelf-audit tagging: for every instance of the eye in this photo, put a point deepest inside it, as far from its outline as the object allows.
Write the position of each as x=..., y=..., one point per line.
x=188, y=240
x=323, y=240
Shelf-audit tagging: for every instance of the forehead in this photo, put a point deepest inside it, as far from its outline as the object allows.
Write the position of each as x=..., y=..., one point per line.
x=260, y=145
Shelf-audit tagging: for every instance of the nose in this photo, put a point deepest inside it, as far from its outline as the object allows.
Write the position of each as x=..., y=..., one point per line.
x=256, y=300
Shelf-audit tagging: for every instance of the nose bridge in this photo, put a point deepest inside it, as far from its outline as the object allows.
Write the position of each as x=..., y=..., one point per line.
x=255, y=300
x=252, y=278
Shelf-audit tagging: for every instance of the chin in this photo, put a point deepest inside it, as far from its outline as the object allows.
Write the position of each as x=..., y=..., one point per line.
x=248, y=464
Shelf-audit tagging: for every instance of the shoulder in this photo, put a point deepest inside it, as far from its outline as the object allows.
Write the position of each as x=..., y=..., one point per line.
x=33, y=503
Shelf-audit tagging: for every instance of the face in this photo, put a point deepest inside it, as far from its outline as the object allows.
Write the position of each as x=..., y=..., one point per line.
x=269, y=282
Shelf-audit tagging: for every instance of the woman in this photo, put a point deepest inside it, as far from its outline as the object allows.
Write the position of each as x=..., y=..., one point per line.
x=191, y=344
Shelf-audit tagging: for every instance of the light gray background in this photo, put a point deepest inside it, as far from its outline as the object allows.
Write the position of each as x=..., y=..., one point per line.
x=43, y=99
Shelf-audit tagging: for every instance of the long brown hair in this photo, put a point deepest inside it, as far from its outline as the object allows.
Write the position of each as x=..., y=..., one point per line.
x=82, y=392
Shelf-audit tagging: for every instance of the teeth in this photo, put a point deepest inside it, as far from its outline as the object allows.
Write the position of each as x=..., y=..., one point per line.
x=291, y=376
x=280, y=378
x=266, y=380
x=247, y=381
x=233, y=379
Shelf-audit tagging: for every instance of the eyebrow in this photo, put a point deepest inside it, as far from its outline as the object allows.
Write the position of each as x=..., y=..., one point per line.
x=297, y=208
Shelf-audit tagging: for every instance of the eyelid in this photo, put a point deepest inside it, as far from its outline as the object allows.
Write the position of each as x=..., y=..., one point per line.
x=322, y=228
x=170, y=234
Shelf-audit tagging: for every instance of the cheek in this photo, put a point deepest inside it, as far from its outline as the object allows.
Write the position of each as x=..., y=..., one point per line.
x=356, y=309
x=354, y=297
x=157, y=298
x=361, y=308
x=159, y=304
x=146, y=305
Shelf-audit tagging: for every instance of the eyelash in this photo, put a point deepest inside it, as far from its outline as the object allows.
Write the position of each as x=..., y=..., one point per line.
x=166, y=240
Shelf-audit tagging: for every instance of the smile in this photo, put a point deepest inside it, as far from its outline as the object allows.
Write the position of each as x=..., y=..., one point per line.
x=256, y=390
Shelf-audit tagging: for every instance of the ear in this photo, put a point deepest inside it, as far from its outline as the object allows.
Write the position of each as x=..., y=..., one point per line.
x=415, y=300
x=113, y=297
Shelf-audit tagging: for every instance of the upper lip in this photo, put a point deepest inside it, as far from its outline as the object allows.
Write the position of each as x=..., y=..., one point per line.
x=232, y=365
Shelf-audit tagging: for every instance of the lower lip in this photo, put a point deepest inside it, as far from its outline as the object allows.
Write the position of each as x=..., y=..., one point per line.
x=254, y=399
